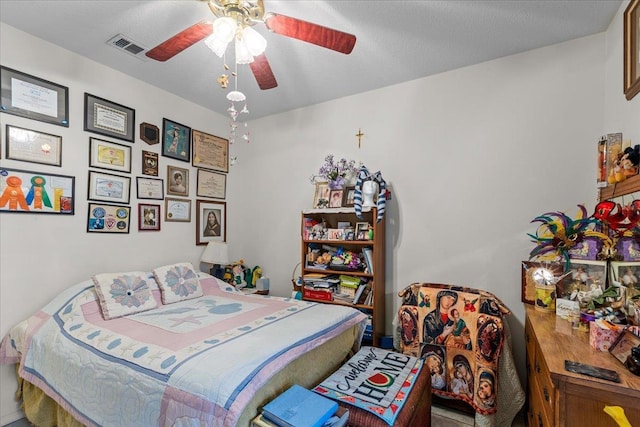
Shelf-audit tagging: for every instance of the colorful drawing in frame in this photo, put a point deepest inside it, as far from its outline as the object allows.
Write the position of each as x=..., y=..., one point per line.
x=176, y=140
x=36, y=192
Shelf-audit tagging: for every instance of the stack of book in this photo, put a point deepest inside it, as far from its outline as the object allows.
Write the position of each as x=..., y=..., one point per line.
x=300, y=407
x=319, y=286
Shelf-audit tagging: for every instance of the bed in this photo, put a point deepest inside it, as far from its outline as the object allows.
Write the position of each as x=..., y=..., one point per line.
x=210, y=357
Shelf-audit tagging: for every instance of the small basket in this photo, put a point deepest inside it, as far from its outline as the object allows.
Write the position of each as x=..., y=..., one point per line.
x=294, y=279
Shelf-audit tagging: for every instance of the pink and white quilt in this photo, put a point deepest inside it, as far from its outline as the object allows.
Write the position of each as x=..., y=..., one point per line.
x=194, y=362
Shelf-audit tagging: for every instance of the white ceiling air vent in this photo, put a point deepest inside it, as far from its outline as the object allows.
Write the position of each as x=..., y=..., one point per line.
x=126, y=44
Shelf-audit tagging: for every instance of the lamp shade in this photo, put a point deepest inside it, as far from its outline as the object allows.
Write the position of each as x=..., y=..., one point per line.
x=215, y=253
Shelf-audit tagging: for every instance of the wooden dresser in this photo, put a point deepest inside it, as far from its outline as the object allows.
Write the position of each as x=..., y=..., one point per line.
x=557, y=397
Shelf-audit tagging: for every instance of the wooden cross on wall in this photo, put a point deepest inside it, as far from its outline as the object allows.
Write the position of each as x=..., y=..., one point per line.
x=359, y=135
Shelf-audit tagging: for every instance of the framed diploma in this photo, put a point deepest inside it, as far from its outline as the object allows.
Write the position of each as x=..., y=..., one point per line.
x=177, y=210
x=108, y=187
x=108, y=118
x=149, y=188
x=210, y=151
x=211, y=184
x=109, y=155
x=32, y=146
x=34, y=98
x=211, y=222
x=104, y=218
x=55, y=195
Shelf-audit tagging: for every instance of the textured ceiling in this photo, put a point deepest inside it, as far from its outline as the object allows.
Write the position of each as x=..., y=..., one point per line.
x=396, y=41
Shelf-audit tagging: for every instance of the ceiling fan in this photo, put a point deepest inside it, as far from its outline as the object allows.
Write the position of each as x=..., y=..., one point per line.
x=247, y=13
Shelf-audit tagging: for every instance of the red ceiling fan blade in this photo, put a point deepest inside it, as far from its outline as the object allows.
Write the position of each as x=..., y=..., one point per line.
x=184, y=39
x=262, y=72
x=311, y=33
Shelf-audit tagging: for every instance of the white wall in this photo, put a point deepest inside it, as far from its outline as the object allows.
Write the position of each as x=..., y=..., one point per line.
x=472, y=156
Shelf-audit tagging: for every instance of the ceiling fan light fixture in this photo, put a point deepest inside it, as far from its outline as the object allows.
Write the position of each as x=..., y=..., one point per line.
x=243, y=56
x=224, y=29
x=254, y=41
x=236, y=96
x=218, y=47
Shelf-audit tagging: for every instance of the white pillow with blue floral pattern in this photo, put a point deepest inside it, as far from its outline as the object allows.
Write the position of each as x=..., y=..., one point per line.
x=178, y=282
x=121, y=294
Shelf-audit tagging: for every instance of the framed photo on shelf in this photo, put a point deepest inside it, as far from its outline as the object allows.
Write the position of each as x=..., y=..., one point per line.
x=621, y=347
x=349, y=196
x=149, y=188
x=177, y=181
x=149, y=133
x=148, y=217
x=321, y=196
x=176, y=140
x=109, y=155
x=105, y=218
x=362, y=231
x=29, y=96
x=211, y=184
x=631, y=73
x=32, y=146
x=59, y=191
x=582, y=272
x=108, y=118
x=109, y=188
x=210, y=151
x=177, y=210
x=211, y=222
x=335, y=199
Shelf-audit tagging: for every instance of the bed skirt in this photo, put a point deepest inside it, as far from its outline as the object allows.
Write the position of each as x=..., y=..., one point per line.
x=307, y=371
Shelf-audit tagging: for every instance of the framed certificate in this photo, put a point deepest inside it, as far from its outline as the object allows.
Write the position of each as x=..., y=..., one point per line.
x=108, y=187
x=210, y=151
x=149, y=188
x=109, y=155
x=56, y=193
x=33, y=146
x=34, y=98
x=177, y=210
x=108, y=118
x=211, y=184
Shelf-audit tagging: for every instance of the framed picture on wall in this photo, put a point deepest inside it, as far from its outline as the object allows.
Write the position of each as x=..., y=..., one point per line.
x=106, y=218
x=210, y=151
x=108, y=118
x=211, y=222
x=34, y=98
x=176, y=140
x=177, y=181
x=211, y=184
x=108, y=187
x=177, y=210
x=109, y=155
x=32, y=146
x=58, y=189
x=631, y=47
x=148, y=217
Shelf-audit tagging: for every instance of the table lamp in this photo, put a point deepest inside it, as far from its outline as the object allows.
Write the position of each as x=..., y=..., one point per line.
x=216, y=253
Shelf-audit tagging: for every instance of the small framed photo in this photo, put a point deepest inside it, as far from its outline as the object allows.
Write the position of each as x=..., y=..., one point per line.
x=335, y=234
x=177, y=181
x=349, y=196
x=210, y=151
x=149, y=188
x=108, y=118
x=109, y=155
x=176, y=140
x=631, y=73
x=211, y=184
x=362, y=231
x=211, y=222
x=177, y=210
x=58, y=189
x=335, y=199
x=105, y=218
x=321, y=197
x=622, y=346
x=34, y=98
x=149, y=133
x=109, y=188
x=149, y=163
x=32, y=146
x=582, y=273
x=344, y=224
x=148, y=217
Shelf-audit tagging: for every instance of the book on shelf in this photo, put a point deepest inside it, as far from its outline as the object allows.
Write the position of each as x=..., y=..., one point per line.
x=299, y=407
x=319, y=294
x=367, y=254
x=363, y=293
